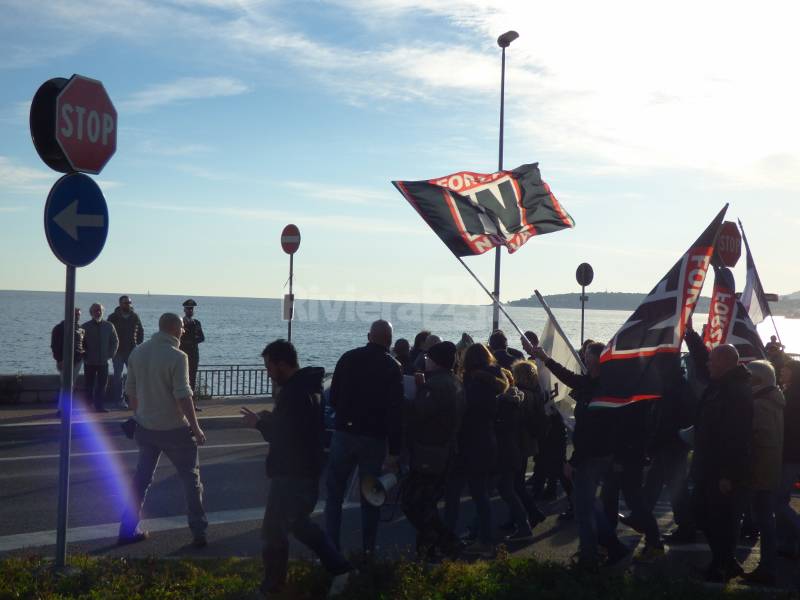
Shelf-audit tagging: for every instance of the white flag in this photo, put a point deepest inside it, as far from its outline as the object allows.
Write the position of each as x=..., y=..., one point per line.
x=557, y=346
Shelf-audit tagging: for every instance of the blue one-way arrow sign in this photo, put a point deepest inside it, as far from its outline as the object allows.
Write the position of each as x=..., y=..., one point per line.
x=76, y=220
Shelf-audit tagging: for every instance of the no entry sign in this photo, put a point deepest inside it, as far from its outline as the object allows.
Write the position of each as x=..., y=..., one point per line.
x=729, y=244
x=290, y=239
x=74, y=124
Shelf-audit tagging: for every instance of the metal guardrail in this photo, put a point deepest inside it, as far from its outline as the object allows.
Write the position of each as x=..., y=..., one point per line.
x=232, y=380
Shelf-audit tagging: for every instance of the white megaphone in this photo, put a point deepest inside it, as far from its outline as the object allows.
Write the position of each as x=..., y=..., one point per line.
x=375, y=489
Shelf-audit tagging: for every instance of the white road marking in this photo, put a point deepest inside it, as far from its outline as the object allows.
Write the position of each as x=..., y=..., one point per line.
x=133, y=451
x=110, y=530
x=84, y=421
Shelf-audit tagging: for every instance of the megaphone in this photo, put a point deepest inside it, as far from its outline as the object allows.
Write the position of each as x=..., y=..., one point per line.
x=375, y=489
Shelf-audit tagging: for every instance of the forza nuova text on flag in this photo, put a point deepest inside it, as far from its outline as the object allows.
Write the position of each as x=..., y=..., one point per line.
x=644, y=355
x=475, y=212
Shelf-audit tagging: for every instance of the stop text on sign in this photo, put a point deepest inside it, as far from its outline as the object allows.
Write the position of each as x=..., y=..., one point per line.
x=81, y=123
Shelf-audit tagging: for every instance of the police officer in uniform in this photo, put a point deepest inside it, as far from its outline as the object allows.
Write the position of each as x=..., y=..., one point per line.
x=192, y=336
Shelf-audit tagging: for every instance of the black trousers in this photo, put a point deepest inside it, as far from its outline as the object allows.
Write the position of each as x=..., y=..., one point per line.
x=670, y=469
x=421, y=493
x=628, y=479
x=194, y=361
x=96, y=380
x=720, y=516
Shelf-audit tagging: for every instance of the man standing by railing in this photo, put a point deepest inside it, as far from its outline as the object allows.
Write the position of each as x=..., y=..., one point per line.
x=191, y=338
x=130, y=333
x=101, y=343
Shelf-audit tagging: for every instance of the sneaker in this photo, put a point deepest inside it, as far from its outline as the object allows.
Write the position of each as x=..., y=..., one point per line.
x=338, y=584
x=137, y=536
x=630, y=522
x=480, y=550
x=520, y=535
x=649, y=554
x=197, y=409
x=680, y=536
x=567, y=515
x=200, y=541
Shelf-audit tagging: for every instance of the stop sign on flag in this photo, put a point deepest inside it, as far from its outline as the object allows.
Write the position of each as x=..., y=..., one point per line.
x=729, y=244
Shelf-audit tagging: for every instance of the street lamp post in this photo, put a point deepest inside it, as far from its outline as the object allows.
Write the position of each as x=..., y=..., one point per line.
x=504, y=41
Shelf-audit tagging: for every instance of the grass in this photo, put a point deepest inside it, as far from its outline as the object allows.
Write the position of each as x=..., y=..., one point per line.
x=507, y=578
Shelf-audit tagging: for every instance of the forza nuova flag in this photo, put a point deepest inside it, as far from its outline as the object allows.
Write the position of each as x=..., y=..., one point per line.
x=721, y=310
x=644, y=354
x=744, y=336
x=753, y=298
x=474, y=212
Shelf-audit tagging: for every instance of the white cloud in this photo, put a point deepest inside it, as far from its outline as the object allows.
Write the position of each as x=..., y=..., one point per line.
x=19, y=178
x=340, y=194
x=186, y=88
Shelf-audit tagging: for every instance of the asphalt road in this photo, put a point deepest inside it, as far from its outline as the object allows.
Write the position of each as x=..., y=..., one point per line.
x=232, y=470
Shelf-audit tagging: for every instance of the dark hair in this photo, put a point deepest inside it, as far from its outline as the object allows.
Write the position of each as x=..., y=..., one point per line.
x=498, y=340
x=281, y=351
x=420, y=338
x=477, y=357
x=401, y=342
x=595, y=348
x=532, y=338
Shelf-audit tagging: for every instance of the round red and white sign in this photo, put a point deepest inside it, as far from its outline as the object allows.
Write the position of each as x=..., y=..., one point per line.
x=290, y=239
x=729, y=244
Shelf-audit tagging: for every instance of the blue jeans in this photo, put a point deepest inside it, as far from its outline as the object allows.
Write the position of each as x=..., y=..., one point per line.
x=290, y=502
x=588, y=514
x=181, y=449
x=347, y=452
x=478, y=485
x=116, y=380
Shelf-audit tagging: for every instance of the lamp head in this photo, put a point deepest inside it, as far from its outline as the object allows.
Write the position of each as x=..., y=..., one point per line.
x=504, y=41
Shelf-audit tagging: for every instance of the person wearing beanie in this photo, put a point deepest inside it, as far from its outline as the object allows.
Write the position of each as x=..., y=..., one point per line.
x=433, y=418
x=498, y=344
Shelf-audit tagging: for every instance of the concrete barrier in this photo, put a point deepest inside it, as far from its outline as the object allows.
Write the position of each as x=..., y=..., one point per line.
x=31, y=389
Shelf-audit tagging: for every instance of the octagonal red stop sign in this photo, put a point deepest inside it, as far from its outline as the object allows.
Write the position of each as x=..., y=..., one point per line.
x=729, y=244
x=86, y=124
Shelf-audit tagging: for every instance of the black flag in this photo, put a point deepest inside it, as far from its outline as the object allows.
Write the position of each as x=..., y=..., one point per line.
x=645, y=352
x=474, y=212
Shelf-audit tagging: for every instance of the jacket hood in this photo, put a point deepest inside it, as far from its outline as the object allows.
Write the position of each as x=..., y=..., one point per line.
x=769, y=393
x=309, y=378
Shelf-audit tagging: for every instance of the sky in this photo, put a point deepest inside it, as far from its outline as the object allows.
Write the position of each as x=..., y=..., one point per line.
x=238, y=117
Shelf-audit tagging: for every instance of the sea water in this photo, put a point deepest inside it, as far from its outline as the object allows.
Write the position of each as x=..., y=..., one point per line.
x=237, y=329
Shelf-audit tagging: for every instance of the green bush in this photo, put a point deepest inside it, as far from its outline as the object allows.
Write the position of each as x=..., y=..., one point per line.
x=507, y=578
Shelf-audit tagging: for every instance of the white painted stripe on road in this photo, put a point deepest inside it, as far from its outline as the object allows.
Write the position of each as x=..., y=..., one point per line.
x=112, y=422
x=133, y=451
x=110, y=530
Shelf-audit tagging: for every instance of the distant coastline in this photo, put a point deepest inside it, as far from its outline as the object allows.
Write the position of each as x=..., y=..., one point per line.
x=787, y=306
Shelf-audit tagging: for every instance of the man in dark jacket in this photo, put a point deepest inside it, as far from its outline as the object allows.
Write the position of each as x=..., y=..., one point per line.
x=433, y=418
x=498, y=344
x=101, y=344
x=721, y=463
x=130, y=333
x=367, y=395
x=57, y=348
x=294, y=431
x=192, y=337
x=594, y=442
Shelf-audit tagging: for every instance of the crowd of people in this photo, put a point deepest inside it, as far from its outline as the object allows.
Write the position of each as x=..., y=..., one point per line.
x=99, y=341
x=723, y=442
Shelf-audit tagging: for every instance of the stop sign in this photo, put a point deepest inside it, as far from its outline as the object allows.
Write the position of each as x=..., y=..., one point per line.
x=86, y=124
x=729, y=244
x=290, y=239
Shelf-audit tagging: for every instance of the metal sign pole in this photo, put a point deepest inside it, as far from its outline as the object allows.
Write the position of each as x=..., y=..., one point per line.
x=496, y=307
x=291, y=294
x=583, y=306
x=67, y=378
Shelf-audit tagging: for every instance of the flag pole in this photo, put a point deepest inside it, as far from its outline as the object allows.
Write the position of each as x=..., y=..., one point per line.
x=557, y=325
x=758, y=280
x=495, y=301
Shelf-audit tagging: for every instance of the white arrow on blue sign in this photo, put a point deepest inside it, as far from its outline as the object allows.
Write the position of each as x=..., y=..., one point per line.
x=76, y=220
